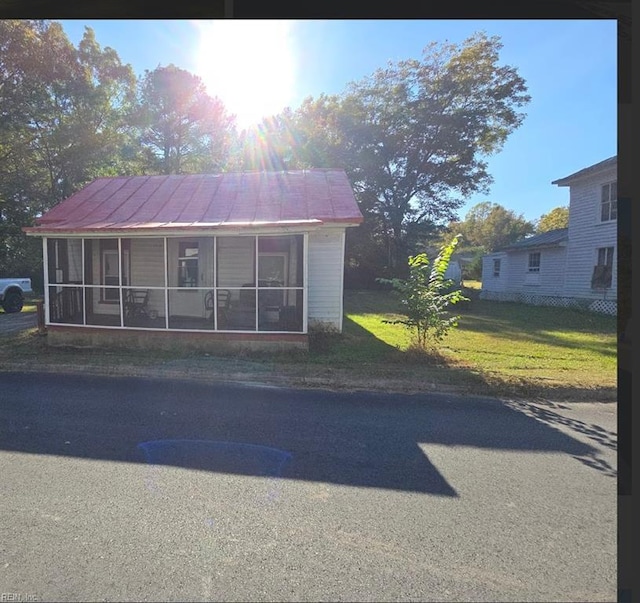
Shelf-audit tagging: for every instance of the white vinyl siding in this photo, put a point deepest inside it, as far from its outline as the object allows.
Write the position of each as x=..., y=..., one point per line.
x=565, y=271
x=236, y=262
x=547, y=281
x=325, y=277
x=147, y=270
x=490, y=282
x=587, y=233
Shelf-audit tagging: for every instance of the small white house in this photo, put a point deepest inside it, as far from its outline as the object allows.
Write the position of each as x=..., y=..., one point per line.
x=574, y=266
x=237, y=259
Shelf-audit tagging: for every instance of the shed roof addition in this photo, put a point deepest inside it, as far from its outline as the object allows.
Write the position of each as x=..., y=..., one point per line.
x=203, y=201
x=551, y=238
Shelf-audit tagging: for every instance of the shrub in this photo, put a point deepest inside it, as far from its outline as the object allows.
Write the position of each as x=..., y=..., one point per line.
x=425, y=296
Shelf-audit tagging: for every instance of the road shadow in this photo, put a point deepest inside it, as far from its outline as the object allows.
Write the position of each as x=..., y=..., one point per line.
x=356, y=439
x=546, y=414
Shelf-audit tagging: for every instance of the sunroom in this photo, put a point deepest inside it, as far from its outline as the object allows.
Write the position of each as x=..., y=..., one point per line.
x=233, y=255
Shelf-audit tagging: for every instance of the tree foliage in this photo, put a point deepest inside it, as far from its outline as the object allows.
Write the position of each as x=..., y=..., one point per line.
x=184, y=129
x=63, y=122
x=491, y=226
x=556, y=218
x=426, y=296
x=413, y=136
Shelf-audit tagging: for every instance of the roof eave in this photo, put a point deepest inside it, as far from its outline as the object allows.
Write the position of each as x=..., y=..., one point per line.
x=534, y=246
x=191, y=229
x=588, y=172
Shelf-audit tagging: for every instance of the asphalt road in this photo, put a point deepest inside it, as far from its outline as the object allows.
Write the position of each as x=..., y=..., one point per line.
x=140, y=490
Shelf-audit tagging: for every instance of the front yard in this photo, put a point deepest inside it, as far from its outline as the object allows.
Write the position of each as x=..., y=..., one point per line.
x=499, y=349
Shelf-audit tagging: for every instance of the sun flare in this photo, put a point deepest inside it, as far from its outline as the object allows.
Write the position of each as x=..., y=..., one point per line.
x=249, y=65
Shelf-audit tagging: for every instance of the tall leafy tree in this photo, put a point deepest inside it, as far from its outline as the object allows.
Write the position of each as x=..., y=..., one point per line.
x=62, y=123
x=182, y=126
x=414, y=136
x=491, y=226
x=556, y=218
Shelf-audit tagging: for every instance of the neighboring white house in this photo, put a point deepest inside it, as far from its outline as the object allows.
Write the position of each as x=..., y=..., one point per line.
x=574, y=266
x=239, y=259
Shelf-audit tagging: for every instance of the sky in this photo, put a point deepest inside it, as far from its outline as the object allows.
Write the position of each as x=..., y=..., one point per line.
x=259, y=67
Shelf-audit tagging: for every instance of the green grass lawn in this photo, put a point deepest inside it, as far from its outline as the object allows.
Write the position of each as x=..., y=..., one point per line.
x=509, y=347
x=500, y=349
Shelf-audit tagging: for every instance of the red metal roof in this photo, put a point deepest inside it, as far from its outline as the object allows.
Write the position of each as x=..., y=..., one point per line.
x=196, y=201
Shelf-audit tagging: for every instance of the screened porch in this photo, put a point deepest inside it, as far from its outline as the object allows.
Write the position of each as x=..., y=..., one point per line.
x=247, y=283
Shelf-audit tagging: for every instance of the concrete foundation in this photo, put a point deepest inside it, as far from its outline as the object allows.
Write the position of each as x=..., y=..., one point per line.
x=174, y=340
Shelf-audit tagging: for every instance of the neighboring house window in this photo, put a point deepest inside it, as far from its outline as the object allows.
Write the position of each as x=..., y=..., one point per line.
x=534, y=262
x=603, y=270
x=188, y=265
x=496, y=268
x=609, y=202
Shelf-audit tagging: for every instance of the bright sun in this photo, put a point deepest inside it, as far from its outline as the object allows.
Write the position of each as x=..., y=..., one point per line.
x=249, y=65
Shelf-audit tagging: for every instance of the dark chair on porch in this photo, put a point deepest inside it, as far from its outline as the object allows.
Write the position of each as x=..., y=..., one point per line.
x=224, y=303
x=136, y=303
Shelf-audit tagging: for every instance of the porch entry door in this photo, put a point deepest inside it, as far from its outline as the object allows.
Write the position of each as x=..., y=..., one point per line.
x=190, y=269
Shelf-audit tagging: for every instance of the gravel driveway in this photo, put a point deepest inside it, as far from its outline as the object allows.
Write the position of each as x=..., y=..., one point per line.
x=12, y=323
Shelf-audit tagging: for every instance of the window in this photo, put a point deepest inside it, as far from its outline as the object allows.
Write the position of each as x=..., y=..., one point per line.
x=609, y=202
x=534, y=262
x=188, y=265
x=496, y=268
x=603, y=270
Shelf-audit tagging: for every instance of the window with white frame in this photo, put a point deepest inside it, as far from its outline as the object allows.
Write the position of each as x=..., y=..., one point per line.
x=534, y=261
x=603, y=270
x=609, y=202
x=496, y=268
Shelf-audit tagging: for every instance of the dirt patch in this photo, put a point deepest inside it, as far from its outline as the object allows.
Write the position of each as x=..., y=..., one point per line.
x=29, y=352
x=220, y=370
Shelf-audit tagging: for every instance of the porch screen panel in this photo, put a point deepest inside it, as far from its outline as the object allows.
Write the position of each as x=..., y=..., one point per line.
x=65, y=271
x=65, y=304
x=190, y=262
x=102, y=282
x=101, y=310
x=65, y=261
x=236, y=262
x=237, y=280
x=187, y=310
x=143, y=261
x=280, y=283
x=190, y=278
x=284, y=315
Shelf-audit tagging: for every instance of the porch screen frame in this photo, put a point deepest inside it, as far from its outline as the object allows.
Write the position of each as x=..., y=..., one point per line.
x=287, y=289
